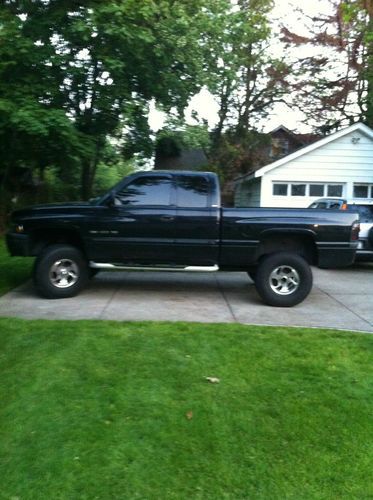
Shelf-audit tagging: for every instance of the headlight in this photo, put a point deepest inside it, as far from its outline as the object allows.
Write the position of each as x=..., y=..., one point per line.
x=18, y=228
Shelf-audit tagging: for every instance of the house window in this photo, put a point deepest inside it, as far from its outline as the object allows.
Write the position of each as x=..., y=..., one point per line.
x=280, y=189
x=317, y=190
x=335, y=190
x=298, y=190
x=360, y=191
x=310, y=189
x=363, y=191
x=279, y=147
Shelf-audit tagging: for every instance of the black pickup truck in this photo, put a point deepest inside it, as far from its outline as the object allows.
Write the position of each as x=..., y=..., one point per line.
x=174, y=221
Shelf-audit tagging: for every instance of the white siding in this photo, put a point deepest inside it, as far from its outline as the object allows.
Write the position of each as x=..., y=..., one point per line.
x=341, y=161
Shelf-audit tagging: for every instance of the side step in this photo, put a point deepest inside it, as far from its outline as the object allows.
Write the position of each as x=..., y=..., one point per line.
x=115, y=267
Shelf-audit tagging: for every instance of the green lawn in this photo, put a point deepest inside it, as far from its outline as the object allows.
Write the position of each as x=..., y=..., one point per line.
x=122, y=410
x=13, y=270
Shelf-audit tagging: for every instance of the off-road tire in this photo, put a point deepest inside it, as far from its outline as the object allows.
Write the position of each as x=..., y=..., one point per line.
x=283, y=279
x=60, y=271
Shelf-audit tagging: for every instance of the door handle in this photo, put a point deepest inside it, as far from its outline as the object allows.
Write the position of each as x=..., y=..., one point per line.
x=167, y=218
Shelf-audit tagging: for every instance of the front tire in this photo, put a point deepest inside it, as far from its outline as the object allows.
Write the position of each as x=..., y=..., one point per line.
x=60, y=271
x=283, y=279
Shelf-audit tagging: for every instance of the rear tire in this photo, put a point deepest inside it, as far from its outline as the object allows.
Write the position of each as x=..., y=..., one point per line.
x=283, y=279
x=60, y=271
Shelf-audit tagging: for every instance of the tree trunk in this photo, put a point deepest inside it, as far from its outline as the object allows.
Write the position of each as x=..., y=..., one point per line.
x=89, y=168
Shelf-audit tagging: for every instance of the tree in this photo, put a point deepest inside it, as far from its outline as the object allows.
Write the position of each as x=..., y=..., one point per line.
x=177, y=135
x=334, y=86
x=33, y=132
x=84, y=72
x=250, y=81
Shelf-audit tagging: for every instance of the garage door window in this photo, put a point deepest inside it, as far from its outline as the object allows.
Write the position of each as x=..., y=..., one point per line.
x=363, y=190
x=317, y=190
x=298, y=190
x=312, y=189
x=280, y=189
x=335, y=190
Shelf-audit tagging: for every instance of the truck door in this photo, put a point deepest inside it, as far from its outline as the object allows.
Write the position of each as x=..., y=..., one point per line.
x=197, y=222
x=139, y=227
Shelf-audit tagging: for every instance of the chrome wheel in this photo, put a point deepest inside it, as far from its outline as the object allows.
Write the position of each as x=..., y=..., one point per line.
x=64, y=273
x=284, y=280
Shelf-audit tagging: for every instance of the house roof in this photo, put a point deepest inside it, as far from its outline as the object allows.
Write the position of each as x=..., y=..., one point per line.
x=303, y=139
x=311, y=147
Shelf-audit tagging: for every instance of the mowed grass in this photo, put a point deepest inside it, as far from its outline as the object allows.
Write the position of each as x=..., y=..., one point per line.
x=13, y=270
x=104, y=410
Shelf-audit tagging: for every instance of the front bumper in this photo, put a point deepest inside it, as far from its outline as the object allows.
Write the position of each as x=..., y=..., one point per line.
x=18, y=244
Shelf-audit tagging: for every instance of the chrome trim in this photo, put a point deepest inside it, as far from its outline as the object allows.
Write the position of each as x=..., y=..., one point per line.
x=111, y=267
x=64, y=273
x=284, y=280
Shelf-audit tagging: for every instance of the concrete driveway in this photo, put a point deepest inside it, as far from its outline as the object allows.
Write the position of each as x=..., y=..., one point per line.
x=339, y=299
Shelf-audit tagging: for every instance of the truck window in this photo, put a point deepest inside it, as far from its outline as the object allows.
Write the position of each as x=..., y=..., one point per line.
x=318, y=204
x=146, y=191
x=192, y=191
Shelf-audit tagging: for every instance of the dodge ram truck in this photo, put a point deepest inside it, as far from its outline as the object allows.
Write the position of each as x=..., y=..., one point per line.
x=174, y=221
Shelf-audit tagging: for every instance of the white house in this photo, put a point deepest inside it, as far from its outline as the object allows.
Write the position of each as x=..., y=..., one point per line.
x=338, y=165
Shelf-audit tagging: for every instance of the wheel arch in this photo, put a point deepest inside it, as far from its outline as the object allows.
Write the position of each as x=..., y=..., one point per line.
x=301, y=242
x=43, y=237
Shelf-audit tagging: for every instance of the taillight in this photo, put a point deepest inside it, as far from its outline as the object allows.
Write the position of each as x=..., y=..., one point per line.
x=355, y=231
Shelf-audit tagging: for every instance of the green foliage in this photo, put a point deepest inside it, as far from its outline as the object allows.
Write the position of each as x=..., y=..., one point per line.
x=168, y=145
x=13, y=270
x=109, y=175
x=249, y=82
x=177, y=136
x=110, y=410
x=83, y=73
x=237, y=153
x=54, y=188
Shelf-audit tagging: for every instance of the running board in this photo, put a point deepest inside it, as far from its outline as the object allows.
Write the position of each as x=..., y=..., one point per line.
x=113, y=267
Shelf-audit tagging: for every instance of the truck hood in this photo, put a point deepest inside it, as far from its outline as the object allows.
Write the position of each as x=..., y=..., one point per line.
x=49, y=208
